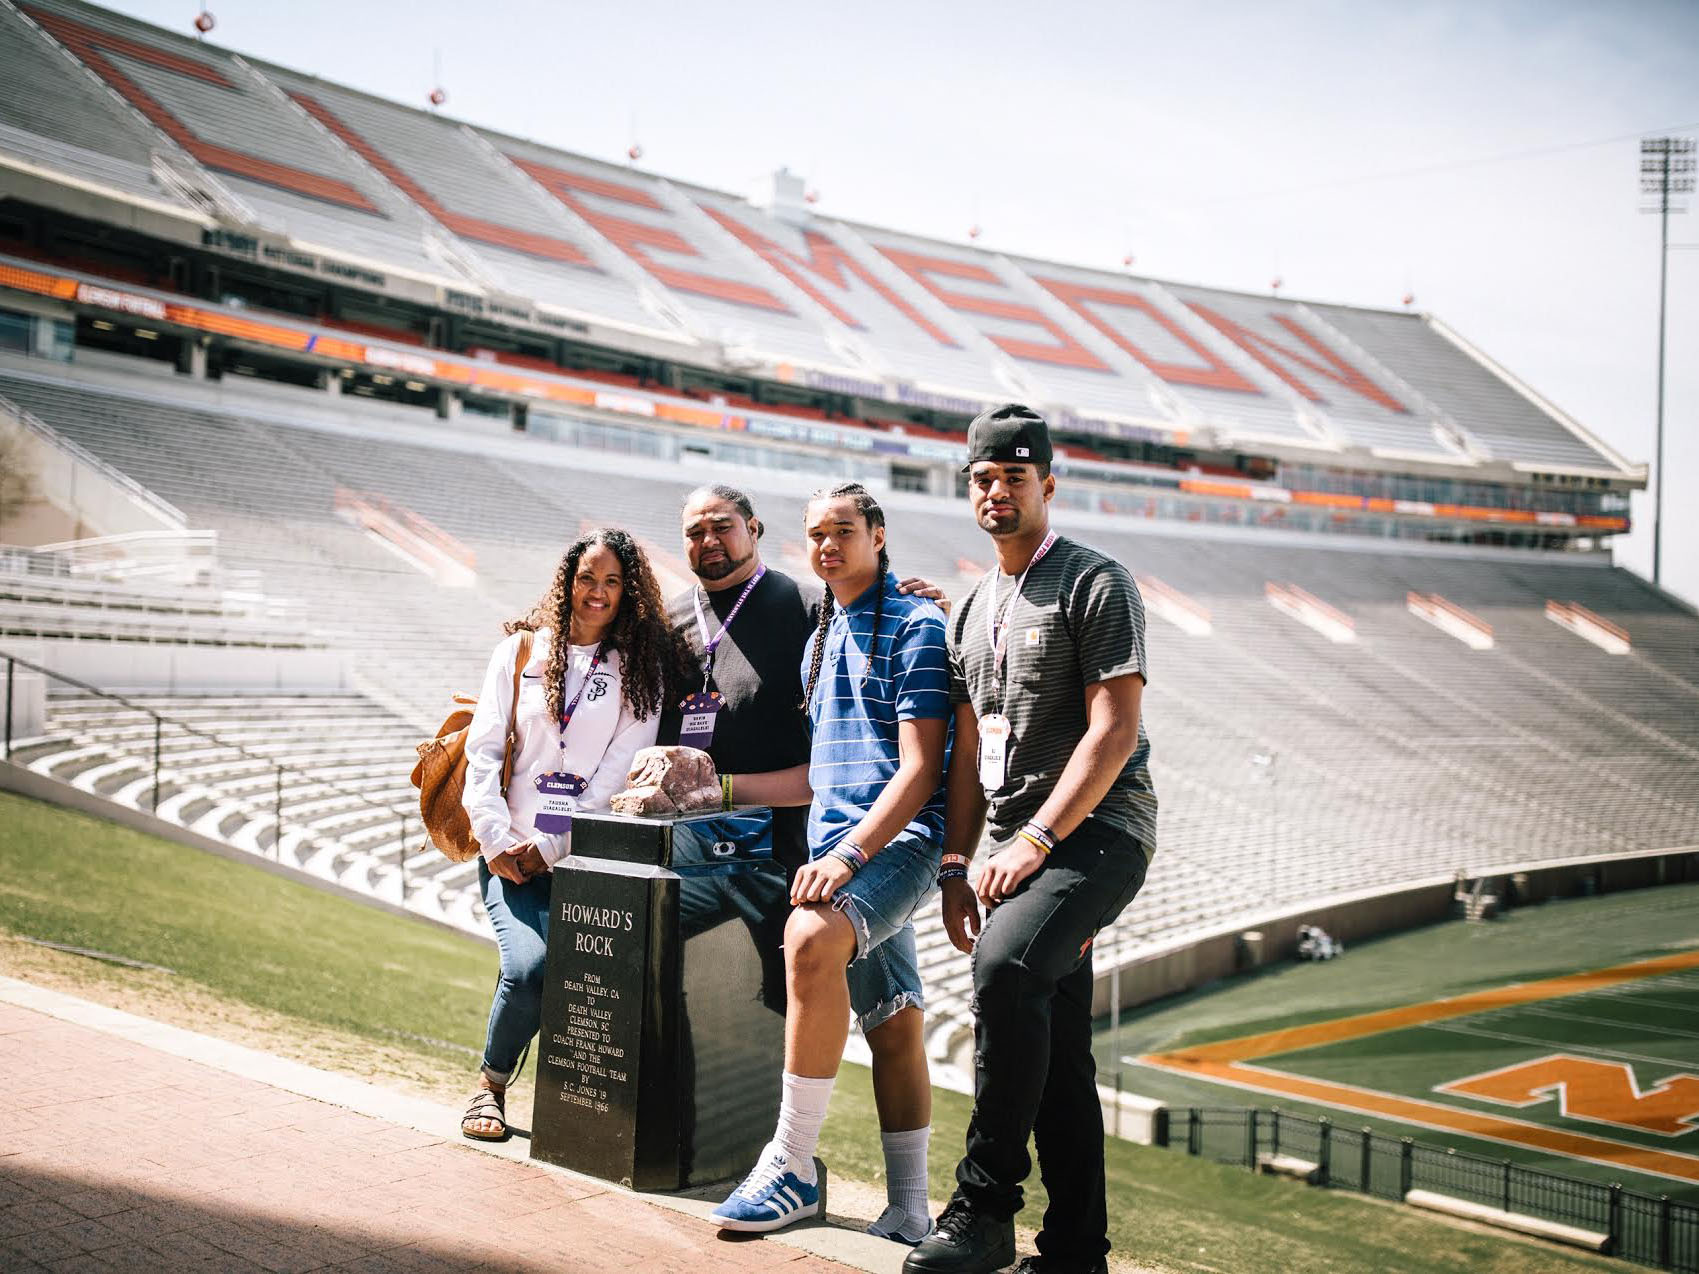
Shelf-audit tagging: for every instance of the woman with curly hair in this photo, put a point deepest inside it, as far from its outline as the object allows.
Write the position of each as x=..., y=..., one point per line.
x=597, y=653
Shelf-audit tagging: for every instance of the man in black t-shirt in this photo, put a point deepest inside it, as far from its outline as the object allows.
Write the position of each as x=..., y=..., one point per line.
x=759, y=733
x=758, y=621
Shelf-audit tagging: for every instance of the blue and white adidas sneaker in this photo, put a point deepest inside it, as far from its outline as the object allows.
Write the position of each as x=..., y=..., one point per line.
x=772, y=1196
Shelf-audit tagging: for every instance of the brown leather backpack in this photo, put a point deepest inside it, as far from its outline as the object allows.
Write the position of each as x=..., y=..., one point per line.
x=440, y=774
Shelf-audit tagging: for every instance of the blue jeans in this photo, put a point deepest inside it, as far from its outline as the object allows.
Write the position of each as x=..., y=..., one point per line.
x=879, y=901
x=520, y=915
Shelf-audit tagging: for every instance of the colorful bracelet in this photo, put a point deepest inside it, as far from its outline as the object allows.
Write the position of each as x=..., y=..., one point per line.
x=849, y=858
x=1034, y=838
x=1042, y=832
x=853, y=854
x=725, y=791
x=955, y=860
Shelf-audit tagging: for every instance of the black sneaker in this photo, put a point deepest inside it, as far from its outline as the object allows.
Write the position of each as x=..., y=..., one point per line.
x=1050, y=1265
x=966, y=1241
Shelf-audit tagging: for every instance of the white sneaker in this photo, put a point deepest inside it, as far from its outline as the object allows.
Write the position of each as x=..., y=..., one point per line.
x=900, y=1225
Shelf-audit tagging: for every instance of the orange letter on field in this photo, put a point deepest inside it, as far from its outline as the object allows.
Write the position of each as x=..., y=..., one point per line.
x=1600, y=1092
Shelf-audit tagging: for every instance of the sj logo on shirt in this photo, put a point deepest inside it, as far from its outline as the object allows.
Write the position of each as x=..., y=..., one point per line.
x=596, y=689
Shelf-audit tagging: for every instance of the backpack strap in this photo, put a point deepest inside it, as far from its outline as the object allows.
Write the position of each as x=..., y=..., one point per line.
x=521, y=657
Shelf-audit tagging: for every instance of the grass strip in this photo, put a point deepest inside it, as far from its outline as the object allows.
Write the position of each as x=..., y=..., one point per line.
x=279, y=965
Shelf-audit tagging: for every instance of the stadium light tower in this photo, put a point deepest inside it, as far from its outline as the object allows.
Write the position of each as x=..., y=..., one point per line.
x=1666, y=173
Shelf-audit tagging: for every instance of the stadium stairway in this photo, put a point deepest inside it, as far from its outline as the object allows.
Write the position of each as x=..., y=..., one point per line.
x=338, y=763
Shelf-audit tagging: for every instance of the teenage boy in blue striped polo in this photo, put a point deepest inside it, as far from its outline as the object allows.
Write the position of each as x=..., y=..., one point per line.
x=877, y=693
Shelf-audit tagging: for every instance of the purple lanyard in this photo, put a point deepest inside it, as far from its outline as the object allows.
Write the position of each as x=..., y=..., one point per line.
x=566, y=712
x=710, y=645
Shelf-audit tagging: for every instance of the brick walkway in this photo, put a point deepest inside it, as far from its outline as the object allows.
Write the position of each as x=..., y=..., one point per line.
x=118, y=1156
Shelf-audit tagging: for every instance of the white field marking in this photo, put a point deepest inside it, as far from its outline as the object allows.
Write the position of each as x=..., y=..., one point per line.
x=1457, y=1028
x=1613, y=1022
x=1616, y=994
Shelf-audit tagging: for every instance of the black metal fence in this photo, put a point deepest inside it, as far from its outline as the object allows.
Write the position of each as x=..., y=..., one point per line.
x=1657, y=1231
x=257, y=784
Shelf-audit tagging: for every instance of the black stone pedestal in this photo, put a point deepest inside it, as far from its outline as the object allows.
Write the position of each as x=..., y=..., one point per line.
x=662, y=1038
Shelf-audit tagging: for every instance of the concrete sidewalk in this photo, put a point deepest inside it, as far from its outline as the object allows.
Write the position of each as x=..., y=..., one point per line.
x=130, y=1145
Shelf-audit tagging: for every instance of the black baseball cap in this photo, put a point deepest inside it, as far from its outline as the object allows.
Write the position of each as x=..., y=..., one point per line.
x=1010, y=434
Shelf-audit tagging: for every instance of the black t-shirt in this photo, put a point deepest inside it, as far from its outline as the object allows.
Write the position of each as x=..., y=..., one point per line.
x=757, y=667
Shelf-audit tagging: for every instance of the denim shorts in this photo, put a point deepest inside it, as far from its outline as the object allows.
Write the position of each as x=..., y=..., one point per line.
x=880, y=901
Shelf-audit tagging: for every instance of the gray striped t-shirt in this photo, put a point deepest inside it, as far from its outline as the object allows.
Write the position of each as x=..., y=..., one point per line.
x=1078, y=621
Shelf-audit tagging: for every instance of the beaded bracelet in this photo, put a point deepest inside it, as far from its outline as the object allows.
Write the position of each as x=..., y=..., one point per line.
x=725, y=791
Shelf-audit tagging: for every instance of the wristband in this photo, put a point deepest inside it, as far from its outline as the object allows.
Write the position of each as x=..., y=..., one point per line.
x=852, y=853
x=1031, y=838
x=725, y=791
x=1040, y=834
x=848, y=859
x=952, y=873
x=955, y=860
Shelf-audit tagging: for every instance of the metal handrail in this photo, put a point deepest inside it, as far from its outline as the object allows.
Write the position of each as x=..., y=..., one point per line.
x=82, y=455
x=160, y=721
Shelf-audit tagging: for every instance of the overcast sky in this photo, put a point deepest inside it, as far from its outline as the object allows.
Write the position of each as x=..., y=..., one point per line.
x=1483, y=156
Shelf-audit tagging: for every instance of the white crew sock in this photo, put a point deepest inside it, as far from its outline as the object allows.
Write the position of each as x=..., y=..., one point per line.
x=908, y=1217
x=802, y=1109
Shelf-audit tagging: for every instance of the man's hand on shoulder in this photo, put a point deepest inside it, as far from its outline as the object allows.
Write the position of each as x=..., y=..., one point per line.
x=915, y=586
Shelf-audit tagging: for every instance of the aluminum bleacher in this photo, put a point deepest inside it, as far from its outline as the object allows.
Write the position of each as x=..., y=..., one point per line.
x=1291, y=768
x=1505, y=421
x=508, y=224
x=292, y=175
x=57, y=117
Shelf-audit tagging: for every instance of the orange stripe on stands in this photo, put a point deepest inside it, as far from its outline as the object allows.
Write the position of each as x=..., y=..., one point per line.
x=1231, y=489
x=336, y=347
x=1328, y=499
x=694, y=416
x=23, y=280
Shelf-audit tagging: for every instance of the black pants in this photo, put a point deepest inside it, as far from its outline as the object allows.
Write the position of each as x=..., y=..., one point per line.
x=1034, y=1073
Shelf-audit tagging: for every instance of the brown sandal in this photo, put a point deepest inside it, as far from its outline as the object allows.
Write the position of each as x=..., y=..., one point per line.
x=486, y=1105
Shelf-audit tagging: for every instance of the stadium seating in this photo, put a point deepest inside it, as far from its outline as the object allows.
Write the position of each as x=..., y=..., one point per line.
x=55, y=116
x=1502, y=419
x=1291, y=768
x=294, y=178
x=508, y=223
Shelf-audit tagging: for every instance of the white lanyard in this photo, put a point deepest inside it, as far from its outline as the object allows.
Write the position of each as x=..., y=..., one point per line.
x=996, y=629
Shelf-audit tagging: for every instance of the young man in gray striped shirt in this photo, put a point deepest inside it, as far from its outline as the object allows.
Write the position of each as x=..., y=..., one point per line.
x=1047, y=671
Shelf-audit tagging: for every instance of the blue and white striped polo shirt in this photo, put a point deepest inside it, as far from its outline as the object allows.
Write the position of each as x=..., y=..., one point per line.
x=854, y=720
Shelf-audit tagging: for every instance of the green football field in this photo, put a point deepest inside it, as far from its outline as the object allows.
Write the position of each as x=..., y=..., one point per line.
x=1563, y=1036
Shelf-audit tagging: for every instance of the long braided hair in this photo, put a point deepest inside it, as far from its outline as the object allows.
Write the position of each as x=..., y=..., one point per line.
x=650, y=652
x=869, y=509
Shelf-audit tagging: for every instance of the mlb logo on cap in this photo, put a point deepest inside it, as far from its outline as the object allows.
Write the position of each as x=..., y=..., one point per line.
x=1008, y=434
